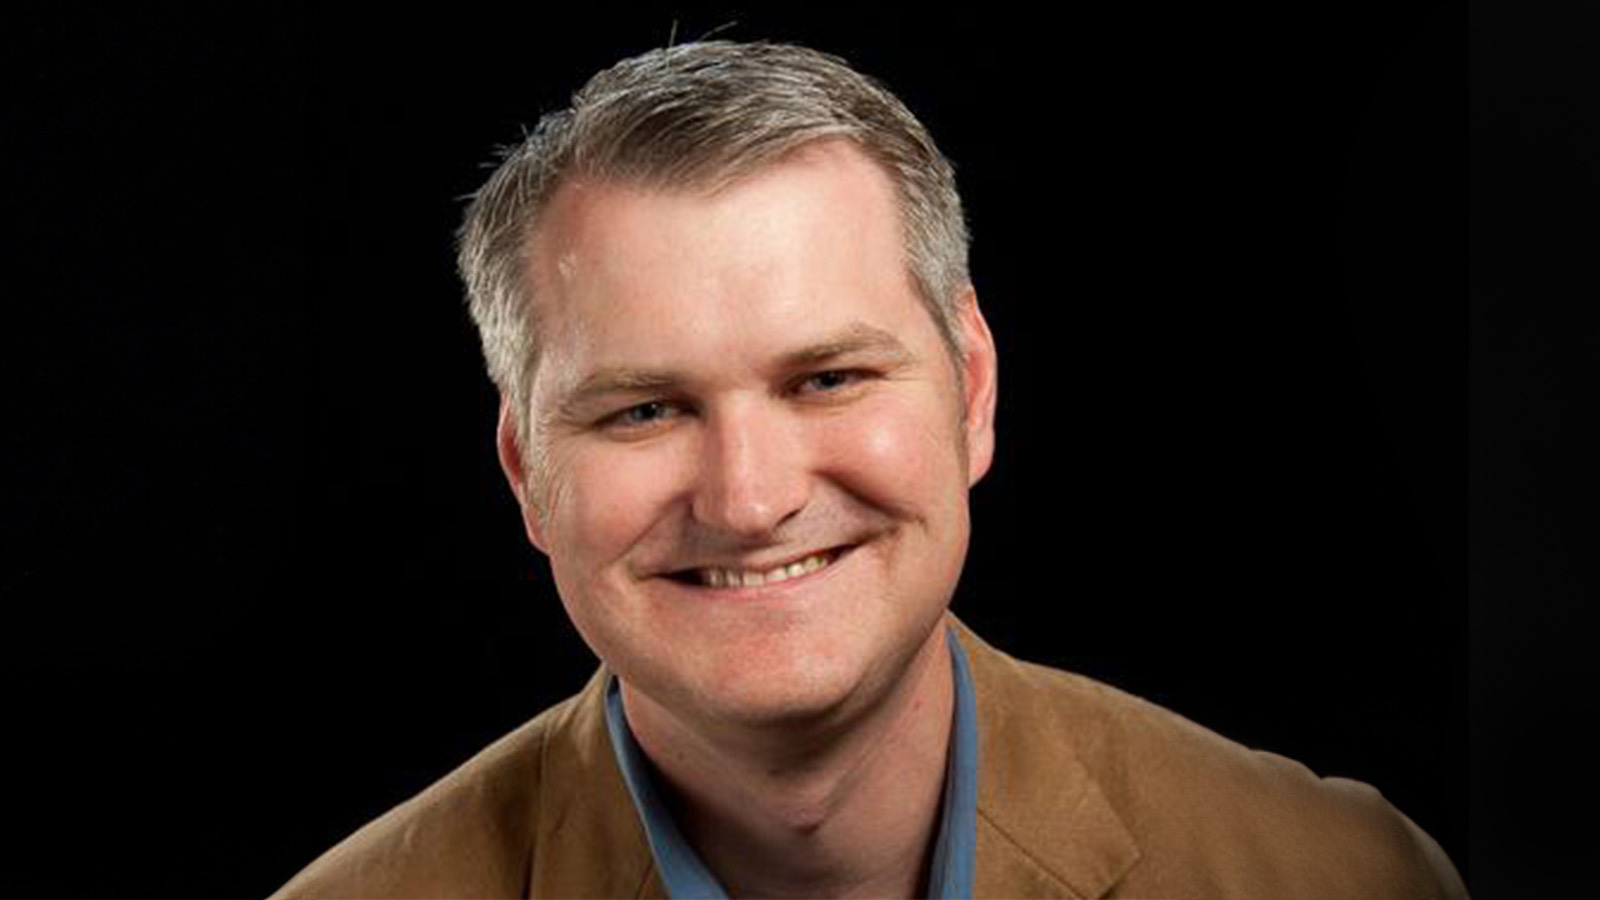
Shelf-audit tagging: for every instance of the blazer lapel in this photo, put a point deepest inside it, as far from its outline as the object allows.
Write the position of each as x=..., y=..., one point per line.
x=589, y=840
x=1044, y=827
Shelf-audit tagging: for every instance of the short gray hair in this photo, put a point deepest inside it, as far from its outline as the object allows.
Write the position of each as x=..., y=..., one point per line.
x=699, y=115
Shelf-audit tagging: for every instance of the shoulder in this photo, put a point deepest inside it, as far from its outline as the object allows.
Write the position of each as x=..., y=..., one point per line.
x=1212, y=817
x=468, y=834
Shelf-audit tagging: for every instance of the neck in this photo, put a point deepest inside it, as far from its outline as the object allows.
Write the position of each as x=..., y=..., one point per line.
x=840, y=810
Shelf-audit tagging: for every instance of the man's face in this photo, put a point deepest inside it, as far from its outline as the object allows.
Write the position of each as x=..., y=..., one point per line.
x=757, y=451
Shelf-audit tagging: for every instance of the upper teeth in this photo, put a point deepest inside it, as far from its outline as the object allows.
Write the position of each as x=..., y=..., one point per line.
x=716, y=577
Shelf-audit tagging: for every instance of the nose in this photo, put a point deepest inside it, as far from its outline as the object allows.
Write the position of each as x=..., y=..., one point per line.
x=753, y=474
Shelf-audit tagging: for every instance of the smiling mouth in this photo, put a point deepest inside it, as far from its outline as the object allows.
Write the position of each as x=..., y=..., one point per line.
x=720, y=577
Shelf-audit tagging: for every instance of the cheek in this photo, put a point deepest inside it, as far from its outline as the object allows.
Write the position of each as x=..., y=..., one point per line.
x=607, y=500
x=900, y=457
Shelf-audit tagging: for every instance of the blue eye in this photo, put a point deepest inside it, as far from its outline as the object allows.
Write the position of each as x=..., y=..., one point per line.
x=832, y=380
x=642, y=415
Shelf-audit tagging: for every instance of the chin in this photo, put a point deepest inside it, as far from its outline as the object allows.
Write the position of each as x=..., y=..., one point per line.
x=814, y=683
x=790, y=698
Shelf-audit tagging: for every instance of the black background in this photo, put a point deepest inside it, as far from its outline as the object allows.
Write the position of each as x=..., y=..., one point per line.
x=261, y=574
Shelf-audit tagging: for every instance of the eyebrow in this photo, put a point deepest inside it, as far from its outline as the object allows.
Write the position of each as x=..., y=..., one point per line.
x=856, y=339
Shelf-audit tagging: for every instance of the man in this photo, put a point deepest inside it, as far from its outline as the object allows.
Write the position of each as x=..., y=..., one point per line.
x=746, y=386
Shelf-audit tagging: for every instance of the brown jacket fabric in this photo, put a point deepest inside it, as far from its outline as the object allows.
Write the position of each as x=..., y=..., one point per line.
x=1083, y=791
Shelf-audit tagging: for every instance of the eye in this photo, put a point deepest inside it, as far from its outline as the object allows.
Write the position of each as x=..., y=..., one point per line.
x=832, y=381
x=644, y=415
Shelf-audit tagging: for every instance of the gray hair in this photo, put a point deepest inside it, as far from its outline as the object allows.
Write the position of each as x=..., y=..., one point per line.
x=698, y=115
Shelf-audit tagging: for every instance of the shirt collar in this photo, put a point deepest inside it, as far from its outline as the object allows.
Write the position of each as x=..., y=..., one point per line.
x=684, y=874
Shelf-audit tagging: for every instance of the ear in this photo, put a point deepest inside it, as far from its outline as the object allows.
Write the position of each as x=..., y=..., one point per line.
x=511, y=463
x=980, y=368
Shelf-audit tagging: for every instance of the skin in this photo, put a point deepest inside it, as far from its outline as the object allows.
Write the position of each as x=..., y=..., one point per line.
x=743, y=378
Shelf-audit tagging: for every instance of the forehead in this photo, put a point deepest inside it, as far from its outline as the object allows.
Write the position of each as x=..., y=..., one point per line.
x=809, y=243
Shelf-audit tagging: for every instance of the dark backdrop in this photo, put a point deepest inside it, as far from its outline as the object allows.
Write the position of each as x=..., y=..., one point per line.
x=263, y=577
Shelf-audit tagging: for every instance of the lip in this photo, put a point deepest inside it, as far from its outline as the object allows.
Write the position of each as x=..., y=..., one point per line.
x=771, y=590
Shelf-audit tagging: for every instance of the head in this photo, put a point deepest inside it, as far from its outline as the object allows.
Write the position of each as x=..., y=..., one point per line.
x=745, y=382
x=692, y=116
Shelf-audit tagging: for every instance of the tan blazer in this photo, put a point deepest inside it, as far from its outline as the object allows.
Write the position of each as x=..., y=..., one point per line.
x=1083, y=791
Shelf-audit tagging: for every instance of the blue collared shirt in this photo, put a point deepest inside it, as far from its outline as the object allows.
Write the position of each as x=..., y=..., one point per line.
x=685, y=875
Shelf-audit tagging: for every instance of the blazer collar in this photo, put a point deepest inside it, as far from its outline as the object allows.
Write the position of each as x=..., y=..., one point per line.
x=588, y=841
x=1044, y=827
